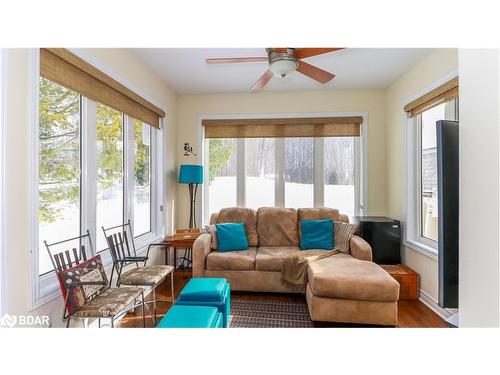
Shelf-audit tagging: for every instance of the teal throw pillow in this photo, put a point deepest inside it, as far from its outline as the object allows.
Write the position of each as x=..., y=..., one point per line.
x=316, y=234
x=231, y=237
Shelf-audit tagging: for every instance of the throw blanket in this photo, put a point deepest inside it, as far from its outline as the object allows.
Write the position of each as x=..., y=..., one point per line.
x=294, y=269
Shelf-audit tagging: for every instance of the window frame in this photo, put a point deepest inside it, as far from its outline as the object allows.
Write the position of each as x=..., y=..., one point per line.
x=360, y=150
x=46, y=287
x=412, y=233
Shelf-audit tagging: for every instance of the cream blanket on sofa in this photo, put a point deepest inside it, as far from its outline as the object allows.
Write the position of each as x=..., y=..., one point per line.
x=294, y=268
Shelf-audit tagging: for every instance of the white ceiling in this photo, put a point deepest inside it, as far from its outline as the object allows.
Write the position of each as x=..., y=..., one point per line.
x=184, y=69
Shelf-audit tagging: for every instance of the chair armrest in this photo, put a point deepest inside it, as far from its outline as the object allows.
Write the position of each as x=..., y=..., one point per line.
x=201, y=249
x=360, y=249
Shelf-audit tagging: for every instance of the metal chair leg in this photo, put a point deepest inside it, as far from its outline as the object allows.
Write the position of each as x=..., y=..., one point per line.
x=172, y=286
x=143, y=313
x=99, y=322
x=154, y=303
x=67, y=322
x=112, y=323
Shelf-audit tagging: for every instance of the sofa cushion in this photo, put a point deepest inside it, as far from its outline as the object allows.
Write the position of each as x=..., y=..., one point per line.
x=271, y=258
x=247, y=216
x=320, y=213
x=277, y=226
x=342, y=276
x=243, y=260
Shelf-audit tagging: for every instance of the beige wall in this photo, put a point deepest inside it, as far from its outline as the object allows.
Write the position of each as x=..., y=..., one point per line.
x=191, y=107
x=19, y=119
x=434, y=67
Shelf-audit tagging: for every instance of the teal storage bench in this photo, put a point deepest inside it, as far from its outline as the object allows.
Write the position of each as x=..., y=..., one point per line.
x=215, y=292
x=191, y=317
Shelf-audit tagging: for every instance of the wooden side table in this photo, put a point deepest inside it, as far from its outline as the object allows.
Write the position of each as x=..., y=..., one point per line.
x=408, y=280
x=183, y=238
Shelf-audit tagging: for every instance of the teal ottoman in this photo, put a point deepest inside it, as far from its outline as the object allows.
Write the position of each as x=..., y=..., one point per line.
x=215, y=292
x=191, y=317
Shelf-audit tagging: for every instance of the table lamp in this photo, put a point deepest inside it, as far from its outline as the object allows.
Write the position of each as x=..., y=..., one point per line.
x=192, y=175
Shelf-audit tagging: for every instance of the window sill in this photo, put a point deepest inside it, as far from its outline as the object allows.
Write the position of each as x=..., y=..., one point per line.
x=426, y=250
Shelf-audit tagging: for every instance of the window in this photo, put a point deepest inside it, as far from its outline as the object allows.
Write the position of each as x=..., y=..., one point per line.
x=282, y=172
x=95, y=168
x=428, y=172
x=142, y=178
x=299, y=172
x=428, y=196
x=221, y=174
x=59, y=167
x=340, y=171
x=109, y=135
x=422, y=186
x=260, y=173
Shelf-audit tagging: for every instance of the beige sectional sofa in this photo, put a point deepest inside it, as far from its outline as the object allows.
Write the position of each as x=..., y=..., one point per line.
x=346, y=287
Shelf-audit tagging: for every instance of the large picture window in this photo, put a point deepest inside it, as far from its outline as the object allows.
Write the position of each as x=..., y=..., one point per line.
x=142, y=178
x=299, y=172
x=221, y=174
x=59, y=167
x=287, y=171
x=260, y=172
x=340, y=174
x=109, y=211
x=94, y=169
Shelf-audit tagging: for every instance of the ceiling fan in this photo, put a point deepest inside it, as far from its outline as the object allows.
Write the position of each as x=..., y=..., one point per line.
x=283, y=61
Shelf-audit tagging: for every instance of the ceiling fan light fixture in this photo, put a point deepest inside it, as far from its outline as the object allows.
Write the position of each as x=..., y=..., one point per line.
x=283, y=67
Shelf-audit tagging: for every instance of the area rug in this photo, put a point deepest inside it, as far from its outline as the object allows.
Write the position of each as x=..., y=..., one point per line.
x=268, y=314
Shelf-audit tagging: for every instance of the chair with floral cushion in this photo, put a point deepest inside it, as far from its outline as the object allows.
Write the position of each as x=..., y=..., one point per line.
x=122, y=248
x=84, y=284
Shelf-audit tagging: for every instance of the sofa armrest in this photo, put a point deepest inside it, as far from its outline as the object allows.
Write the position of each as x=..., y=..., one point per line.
x=360, y=249
x=201, y=249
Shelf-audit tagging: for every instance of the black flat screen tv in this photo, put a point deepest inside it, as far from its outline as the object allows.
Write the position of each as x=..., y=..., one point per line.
x=447, y=173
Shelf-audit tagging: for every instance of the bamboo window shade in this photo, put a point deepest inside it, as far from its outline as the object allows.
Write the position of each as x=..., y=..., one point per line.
x=444, y=93
x=283, y=127
x=63, y=67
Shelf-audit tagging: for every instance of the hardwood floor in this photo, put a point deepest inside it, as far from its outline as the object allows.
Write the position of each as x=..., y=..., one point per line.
x=412, y=313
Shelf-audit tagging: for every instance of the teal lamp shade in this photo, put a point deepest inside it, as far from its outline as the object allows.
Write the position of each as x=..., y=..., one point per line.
x=191, y=174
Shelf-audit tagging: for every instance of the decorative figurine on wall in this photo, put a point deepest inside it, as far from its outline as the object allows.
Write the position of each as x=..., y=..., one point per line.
x=188, y=149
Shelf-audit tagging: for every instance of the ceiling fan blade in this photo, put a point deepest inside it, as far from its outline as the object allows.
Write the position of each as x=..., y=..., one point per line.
x=232, y=60
x=263, y=80
x=315, y=73
x=302, y=53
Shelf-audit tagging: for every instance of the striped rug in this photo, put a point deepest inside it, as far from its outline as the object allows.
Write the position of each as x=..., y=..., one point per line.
x=269, y=314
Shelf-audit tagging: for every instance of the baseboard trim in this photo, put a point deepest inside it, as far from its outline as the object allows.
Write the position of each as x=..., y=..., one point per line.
x=431, y=303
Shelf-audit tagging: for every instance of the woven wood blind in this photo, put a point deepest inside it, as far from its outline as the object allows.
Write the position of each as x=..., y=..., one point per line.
x=283, y=127
x=444, y=93
x=62, y=67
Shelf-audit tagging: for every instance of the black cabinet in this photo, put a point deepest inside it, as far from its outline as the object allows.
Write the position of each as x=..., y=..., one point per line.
x=384, y=236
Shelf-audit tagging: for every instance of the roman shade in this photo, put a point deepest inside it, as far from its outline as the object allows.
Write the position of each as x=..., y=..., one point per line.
x=444, y=93
x=63, y=67
x=283, y=127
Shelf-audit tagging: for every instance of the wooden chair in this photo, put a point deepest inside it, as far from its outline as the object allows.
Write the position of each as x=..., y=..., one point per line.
x=84, y=283
x=122, y=248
